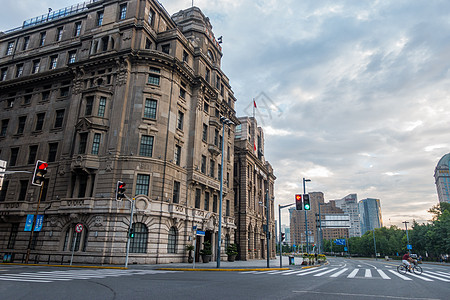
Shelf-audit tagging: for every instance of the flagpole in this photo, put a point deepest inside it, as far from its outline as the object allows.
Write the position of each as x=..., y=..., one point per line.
x=253, y=108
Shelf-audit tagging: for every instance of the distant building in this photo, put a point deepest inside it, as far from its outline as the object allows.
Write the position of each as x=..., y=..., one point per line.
x=370, y=213
x=287, y=234
x=442, y=178
x=349, y=204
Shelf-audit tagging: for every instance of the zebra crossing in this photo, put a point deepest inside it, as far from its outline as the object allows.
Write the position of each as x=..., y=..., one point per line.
x=358, y=273
x=52, y=276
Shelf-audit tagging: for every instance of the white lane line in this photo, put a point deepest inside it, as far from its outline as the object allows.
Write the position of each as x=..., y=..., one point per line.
x=353, y=273
x=26, y=280
x=280, y=272
x=266, y=272
x=323, y=273
x=360, y=296
x=399, y=275
x=249, y=272
x=435, y=277
x=359, y=266
x=339, y=273
x=307, y=272
x=293, y=272
x=383, y=275
x=440, y=274
x=421, y=277
x=368, y=273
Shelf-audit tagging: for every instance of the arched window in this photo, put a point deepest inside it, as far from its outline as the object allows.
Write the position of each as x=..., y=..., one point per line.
x=75, y=241
x=172, y=240
x=139, y=241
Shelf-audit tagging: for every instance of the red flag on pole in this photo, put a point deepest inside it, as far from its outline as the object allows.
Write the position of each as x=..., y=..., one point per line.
x=254, y=103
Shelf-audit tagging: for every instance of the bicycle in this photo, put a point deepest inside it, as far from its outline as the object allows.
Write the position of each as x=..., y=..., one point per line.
x=403, y=268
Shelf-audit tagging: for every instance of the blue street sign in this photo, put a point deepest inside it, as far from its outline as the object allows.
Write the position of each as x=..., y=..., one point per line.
x=345, y=249
x=340, y=242
x=293, y=245
x=409, y=247
x=39, y=221
x=194, y=227
x=201, y=233
x=29, y=223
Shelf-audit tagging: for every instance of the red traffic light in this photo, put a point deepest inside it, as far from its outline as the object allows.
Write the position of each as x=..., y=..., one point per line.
x=43, y=166
x=120, y=190
x=298, y=202
x=39, y=173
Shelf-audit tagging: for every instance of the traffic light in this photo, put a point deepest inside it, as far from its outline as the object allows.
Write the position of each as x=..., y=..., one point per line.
x=131, y=232
x=283, y=236
x=39, y=172
x=298, y=202
x=120, y=190
x=306, y=203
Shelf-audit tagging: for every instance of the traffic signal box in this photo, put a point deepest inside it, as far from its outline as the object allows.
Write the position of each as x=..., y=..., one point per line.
x=298, y=202
x=283, y=236
x=39, y=173
x=120, y=190
x=306, y=204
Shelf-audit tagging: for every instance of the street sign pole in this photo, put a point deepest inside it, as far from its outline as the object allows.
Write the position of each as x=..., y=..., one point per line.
x=34, y=222
x=78, y=229
x=129, y=230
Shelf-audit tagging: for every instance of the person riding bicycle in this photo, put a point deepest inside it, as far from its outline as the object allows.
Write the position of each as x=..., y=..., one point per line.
x=407, y=260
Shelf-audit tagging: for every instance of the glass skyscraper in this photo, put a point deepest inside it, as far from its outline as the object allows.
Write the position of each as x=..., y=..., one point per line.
x=370, y=214
x=442, y=178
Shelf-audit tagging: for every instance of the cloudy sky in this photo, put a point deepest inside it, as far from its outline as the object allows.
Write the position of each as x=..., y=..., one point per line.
x=353, y=95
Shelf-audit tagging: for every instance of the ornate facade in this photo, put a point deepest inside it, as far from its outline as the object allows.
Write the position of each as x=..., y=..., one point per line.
x=114, y=90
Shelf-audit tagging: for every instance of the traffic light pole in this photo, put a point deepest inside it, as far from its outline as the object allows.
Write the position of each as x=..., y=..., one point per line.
x=279, y=225
x=129, y=229
x=34, y=223
x=267, y=228
x=306, y=217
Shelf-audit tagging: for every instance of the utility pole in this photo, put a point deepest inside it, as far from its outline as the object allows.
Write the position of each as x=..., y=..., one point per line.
x=407, y=237
x=306, y=216
x=34, y=223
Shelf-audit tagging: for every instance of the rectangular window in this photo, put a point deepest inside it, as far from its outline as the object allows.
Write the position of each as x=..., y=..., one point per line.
x=165, y=48
x=72, y=57
x=154, y=77
x=26, y=43
x=23, y=190
x=59, y=32
x=83, y=143
x=39, y=121
x=183, y=90
x=227, y=208
x=206, y=107
x=42, y=39
x=45, y=95
x=148, y=43
x=59, y=118
x=53, y=62
x=207, y=75
x=89, y=105
x=215, y=203
x=228, y=153
x=64, y=92
x=217, y=82
x=13, y=235
x=180, y=120
x=177, y=157
x=99, y=18
x=222, y=89
x=150, y=108
x=211, y=168
x=52, y=151
x=216, y=137
x=10, y=48
x=206, y=201
x=13, y=157
x=101, y=107
x=203, y=165
x=3, y=74
x=198, y=194
x=142, y=184
x=32, y=154
x=146, y=148
x=19, y=70
x=77, y=30
x=21, y=127
x=151, y=17
x=4, y=128
x=228, y=179
x=123, y=12
x=4, y=190
x=27, y=99
x=185, y=56
x=205, y=133
x=176, y=192
x=219, y=169
x=10, y=103
x=96, y=143
x=35, y=68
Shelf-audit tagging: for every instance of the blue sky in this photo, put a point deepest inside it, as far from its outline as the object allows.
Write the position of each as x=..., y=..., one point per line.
x=358, y=91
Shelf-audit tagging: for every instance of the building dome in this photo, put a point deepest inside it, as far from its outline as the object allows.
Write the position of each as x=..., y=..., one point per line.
x=444, y=162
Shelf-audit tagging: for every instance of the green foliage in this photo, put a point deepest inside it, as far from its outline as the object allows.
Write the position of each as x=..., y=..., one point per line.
x=232, y=250
x=207, y=248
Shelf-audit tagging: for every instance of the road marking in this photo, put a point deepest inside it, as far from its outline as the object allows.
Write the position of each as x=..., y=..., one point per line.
x=339, y=273
x=293, y=272
x=353, y=273
x=421, y=277
x=249, y=272
x=280, y=272
x=440, y=274
x=383, y=275
x=368, y=273
x=399, y=275
x=364, y=295
x=309, y=271
x=26, y=280
x=267, y=272
x=323, y=273
x=435, y=277
x=359, y=266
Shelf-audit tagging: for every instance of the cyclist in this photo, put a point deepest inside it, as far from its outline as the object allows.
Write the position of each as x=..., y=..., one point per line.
x=406, y=259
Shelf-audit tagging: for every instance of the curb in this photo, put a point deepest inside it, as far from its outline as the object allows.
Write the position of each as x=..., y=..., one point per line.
x=63, y=266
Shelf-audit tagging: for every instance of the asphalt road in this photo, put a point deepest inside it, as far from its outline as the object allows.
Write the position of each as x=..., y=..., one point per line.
x=341, y=279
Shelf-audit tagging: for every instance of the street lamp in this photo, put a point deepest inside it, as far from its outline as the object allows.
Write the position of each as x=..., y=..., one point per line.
x=306, y=217
x=407, y=237
x=224, y=122
x=279, y=222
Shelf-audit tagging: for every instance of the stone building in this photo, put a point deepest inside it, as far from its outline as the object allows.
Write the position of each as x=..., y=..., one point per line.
x=253, y=179
x=349, y=204
x=111, y=90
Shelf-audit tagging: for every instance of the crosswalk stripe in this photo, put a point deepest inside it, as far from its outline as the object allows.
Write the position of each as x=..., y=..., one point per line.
x=420, y=276
x=292, y=273
x=440, y=274
x=368, y=273
x=249, y=272
x=399, y=275
x=280, y=272
x=435, y=277
x=26, y=280
x=323, y=273
x=309, y=271
x=353, y=273
x=339, y=273
x=383, y=275
x=266, y=272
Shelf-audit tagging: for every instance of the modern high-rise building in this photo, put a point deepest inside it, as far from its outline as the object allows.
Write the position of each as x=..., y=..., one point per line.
x=442, y=178
x=253, y=190
x=111, y=90
x=370, y=214
x=349, y=204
